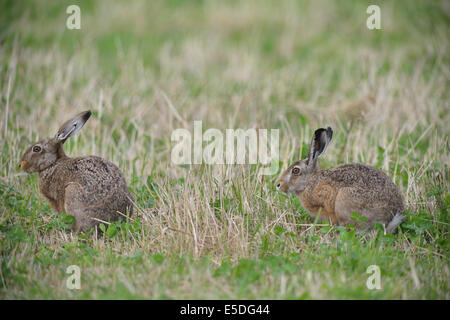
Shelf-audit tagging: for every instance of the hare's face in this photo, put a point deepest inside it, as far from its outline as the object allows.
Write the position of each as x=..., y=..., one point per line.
x=295, y=178
x=39, y=156
x=45, y=153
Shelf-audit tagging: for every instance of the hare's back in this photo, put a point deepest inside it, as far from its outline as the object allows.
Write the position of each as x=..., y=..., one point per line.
x=366, y=190
x=372, y=185
x=359, y=175
x=96, y=174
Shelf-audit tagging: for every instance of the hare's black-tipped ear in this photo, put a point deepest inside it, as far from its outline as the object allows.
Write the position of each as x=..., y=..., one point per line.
x=72, y=126
x=319, y=145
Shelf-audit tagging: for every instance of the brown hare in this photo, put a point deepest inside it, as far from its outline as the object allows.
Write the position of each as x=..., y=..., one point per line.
x=90, y=188
x=336, y=193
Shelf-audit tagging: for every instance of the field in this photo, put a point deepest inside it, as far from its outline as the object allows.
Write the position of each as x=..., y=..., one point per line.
x=146, y=68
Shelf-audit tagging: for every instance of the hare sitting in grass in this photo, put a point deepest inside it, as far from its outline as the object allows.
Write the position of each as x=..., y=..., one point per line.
x=337, y=193
x=90, y=188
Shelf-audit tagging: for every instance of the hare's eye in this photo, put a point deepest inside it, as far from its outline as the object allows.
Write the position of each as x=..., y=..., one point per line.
x=295, y=171
x=36, y=149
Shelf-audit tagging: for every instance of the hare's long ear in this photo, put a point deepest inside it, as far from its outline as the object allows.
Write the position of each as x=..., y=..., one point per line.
x=319, y=145
x=72, y=126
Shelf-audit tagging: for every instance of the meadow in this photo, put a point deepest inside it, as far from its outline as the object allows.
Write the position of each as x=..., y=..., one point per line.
x=146, y=68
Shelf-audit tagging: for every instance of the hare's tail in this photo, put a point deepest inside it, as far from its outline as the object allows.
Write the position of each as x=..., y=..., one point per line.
x=396, y=221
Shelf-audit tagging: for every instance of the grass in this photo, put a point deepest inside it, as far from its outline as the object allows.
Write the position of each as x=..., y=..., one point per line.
x=213, y=232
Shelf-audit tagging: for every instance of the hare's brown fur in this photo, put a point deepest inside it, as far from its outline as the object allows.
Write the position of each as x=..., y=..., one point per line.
x=337, y=193
x=355, y=187
x=89, y=188
x=92, y=189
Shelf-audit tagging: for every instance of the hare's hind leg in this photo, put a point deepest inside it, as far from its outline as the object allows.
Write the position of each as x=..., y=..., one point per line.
x=75, y=205
x=351, y=199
